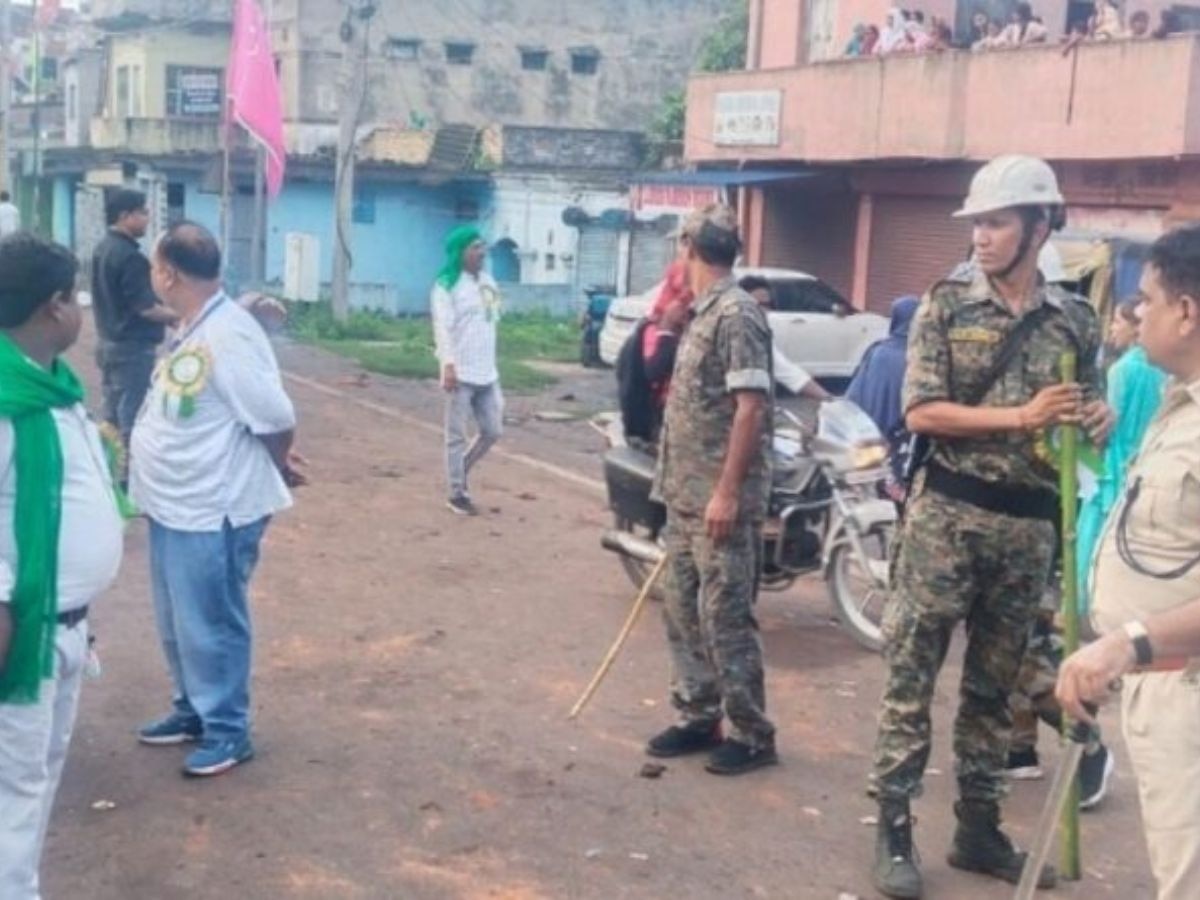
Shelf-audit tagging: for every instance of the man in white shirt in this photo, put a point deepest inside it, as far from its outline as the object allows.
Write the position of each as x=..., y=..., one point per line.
x=60, y=544
x=209, y=469
x=465, y=305
x=10, y=216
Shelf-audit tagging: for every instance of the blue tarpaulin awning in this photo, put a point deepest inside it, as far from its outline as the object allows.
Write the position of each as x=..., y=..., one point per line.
x=722, y=177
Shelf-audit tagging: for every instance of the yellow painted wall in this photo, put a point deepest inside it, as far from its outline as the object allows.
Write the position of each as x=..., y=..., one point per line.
x=153, y=52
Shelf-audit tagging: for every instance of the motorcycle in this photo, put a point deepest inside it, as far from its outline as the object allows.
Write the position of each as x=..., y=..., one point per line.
x=826, y=514
x=591, y=323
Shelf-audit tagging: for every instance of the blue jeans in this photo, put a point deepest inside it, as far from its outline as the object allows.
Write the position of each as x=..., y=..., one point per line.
x=200, y=580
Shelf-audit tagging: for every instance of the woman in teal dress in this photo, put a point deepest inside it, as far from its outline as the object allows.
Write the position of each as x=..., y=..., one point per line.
x=1135, y=390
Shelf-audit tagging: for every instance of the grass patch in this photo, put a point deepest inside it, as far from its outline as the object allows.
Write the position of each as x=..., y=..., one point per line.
x=403, y=348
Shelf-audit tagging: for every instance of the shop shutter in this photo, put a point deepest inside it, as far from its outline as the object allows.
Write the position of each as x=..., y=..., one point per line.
x=915, y=242
x=650, y=252
x=813, y=233
x=596, y=263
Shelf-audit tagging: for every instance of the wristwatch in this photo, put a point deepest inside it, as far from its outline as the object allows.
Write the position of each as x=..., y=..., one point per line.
x=1137, y=634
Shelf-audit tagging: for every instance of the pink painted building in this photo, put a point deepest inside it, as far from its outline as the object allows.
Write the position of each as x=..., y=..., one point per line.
x=872, y=155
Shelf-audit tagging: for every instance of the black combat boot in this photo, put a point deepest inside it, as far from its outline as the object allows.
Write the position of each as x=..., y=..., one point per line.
x=896, y=873
x=680, y=740
x=980, y=846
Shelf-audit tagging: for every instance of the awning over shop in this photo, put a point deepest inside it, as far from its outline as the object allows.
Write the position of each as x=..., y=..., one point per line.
x=722, y=177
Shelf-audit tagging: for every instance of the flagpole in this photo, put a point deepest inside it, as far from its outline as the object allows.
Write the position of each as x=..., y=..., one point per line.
x=258, y=241
x=226, y=192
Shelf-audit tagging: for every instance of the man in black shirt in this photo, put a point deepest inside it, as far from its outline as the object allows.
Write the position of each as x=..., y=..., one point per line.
x=129, y=318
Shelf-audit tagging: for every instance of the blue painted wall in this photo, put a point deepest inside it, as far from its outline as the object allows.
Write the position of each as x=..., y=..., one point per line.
x=397, y=238
x=397, y=241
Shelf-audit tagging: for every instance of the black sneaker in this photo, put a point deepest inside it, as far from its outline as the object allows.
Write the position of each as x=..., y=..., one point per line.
x=734, y=758
x=1095, y=770
x=1023, y=765
x=462, y=506
x=680, y=740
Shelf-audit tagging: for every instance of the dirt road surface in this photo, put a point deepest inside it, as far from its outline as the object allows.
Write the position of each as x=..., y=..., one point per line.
x=413, y=675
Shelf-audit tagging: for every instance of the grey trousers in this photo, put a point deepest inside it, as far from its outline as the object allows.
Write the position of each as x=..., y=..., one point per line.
x=33, y=748
x=486, y=404
x=126, y=369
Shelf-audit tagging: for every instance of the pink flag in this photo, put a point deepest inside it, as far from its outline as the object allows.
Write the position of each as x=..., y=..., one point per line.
x=252, y=86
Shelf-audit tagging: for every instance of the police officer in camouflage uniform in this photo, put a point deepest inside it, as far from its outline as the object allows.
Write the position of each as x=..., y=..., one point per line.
x=978, y=536
x=714, y=478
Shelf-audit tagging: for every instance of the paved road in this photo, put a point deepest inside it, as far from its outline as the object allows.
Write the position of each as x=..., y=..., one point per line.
x=413, y=676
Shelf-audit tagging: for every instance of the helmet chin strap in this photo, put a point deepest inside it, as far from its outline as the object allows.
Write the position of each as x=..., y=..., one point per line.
x=1023, y=249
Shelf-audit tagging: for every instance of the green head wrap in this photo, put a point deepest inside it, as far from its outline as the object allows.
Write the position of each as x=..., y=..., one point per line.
x=457, y=242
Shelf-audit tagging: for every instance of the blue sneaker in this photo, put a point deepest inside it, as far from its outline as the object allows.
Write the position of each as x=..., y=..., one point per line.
x=174, y=729
x=215, y=756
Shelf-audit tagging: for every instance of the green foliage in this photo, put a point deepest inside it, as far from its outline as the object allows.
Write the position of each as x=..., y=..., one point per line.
x=723, y=50
x=403, y=348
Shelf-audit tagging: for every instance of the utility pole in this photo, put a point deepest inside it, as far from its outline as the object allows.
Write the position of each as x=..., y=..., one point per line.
x=355, y=35
x=5, y=92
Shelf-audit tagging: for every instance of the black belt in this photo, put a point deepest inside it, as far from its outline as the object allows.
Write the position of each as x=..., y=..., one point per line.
x=1021, y=503
x=72, y=617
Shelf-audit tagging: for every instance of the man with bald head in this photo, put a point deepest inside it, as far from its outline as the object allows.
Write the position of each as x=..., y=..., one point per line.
x=209, y=469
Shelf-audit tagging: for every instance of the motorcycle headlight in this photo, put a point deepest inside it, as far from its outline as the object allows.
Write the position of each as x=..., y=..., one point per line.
x=868, y=456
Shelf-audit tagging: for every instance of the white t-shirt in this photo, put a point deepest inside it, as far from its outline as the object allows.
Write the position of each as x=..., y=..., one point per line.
x=91, y=533
x=464, y=327
x=10, y=219
x=195, y=460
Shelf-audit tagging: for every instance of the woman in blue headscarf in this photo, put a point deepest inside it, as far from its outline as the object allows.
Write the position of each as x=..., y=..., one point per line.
x=879, y=381
x=1135, y=391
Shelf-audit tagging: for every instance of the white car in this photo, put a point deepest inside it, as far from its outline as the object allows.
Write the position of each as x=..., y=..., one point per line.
x=812, y=323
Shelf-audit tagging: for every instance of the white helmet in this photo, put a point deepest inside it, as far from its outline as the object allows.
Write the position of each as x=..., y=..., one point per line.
x=1009, y=181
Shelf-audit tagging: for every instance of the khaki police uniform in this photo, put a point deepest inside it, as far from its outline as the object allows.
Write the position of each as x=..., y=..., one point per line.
x=1155, y=531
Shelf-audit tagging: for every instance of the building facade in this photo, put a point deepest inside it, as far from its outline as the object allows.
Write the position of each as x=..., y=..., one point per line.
x=864, y=200
x=524, y=116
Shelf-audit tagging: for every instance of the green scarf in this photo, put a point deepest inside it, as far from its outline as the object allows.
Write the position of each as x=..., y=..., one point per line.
x=27, y=394
x=457, y=241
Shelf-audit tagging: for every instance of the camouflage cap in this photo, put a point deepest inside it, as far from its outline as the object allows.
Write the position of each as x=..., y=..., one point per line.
x=715, y=226
x=717, y=215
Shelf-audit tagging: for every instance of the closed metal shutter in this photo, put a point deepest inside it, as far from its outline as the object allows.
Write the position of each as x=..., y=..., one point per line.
x=596, y=263
x=650, y=252
x=813, y=233
x=915, y=242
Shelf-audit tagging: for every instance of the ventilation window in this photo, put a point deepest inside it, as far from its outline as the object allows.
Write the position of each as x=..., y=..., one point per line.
x=459, y=54
x=402, y=49
x=534, y=59
x=585, y=61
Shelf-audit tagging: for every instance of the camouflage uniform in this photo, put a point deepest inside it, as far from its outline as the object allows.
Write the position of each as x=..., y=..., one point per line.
x=716, y=654
x=1033, y=697
x=957, y=562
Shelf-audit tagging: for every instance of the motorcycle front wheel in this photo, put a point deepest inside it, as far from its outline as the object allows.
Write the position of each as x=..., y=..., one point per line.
x=637, y=570
x=857, y=599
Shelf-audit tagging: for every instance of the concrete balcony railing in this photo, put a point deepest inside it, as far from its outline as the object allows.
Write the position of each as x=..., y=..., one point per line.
x=157, y=137
x=1119, y=100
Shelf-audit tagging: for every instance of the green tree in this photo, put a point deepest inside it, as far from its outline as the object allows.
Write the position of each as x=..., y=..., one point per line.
x=723, y=50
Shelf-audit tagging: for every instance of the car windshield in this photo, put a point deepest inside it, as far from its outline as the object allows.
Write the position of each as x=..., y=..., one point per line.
x=805, y=295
